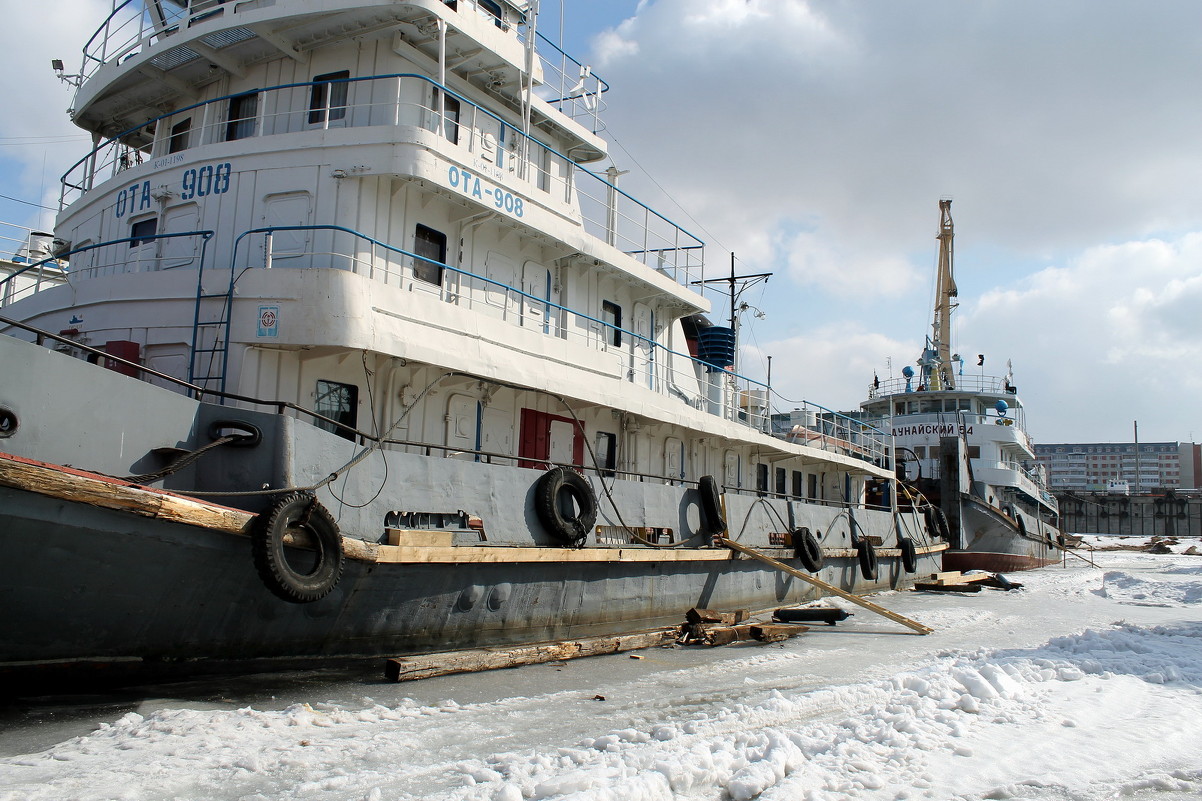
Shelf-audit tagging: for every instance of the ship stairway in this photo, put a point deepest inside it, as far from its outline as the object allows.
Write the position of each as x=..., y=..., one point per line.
x=209, y=356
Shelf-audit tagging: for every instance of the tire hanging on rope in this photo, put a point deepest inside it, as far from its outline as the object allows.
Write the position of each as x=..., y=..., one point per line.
x=807, y=550
x=909, y=554
x=866, y=556
x=566, y=505
x=713, y=523
x=296, y=514
x=936, y=520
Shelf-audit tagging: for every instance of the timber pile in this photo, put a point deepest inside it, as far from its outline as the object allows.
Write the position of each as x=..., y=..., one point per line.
x=709, y=627
x=955, y=581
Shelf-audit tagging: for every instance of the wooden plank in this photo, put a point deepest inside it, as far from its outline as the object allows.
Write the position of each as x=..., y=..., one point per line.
x=424, y=666
x=776, y=632
x=934, y=586
x=831, y=588
x=107, y=493
x=420, y=537
x=464, y=554
x=696, y=615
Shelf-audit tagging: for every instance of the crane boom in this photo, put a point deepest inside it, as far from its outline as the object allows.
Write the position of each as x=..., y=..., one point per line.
x=941, y=375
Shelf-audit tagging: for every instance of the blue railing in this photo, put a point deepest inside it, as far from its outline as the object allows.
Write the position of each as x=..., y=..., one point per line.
x=608, y=213
x=58, y=261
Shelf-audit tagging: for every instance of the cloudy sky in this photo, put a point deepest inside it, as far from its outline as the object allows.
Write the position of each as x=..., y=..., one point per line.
x=815, y=139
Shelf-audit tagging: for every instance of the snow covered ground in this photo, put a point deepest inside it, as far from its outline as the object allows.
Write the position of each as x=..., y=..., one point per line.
x=1085, y=684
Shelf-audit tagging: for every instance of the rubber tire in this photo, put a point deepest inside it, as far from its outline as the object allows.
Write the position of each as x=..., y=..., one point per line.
x=807, y=550
x=570, y=530
x=937, y=526
x=866, y=556
x=909, y=554
x=267, y=546
x=711, y=506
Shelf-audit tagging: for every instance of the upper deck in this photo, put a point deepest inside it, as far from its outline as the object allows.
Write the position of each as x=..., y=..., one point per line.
x=148, y=55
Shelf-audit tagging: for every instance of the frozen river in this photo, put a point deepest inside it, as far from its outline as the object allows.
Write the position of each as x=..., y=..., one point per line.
x=1085, y=684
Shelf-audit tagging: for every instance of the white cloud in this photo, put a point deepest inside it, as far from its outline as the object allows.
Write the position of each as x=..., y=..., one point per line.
x=36, y=132
x=814, y=140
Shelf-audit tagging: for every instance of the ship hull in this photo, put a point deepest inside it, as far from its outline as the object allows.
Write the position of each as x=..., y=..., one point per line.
x=100, y=571
x=996, y=542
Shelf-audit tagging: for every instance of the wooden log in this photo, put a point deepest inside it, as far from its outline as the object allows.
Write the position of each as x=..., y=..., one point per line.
x=79, y=486
x=775, y=632
x=831, y=588
x=424, y=666
x=696, y=615
x=725, y=635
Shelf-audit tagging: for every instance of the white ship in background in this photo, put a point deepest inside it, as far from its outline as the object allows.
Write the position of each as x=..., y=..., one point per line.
x=389, y=368
x=962, y=443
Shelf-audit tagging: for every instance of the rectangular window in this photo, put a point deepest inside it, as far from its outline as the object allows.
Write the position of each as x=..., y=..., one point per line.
x=781, y=481
x=607, y=452
x=327, y=99
x=240, y=118
x=450, y=108
x=611, y=315
x=492, y=8
x=798, y=483
x=431, y=246
x=181, y=132
x=761, y=478
x=143, y=231
x=340, y=403
x=813, y=488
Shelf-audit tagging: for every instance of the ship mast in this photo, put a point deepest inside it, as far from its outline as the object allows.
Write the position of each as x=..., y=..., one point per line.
x=937, y=360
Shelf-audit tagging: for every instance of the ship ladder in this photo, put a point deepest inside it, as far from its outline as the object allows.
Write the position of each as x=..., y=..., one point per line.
x=209, y=355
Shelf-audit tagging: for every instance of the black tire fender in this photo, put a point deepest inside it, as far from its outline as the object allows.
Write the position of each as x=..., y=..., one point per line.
x=937, y=527
x=297, y=512
x=866, y=556
x=571, y=529
x=711, y=506
x=909, y=554
x=807, y=550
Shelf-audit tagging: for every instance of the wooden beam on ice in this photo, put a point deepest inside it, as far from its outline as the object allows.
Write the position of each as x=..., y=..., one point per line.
x=425, y=666
x=831, y=588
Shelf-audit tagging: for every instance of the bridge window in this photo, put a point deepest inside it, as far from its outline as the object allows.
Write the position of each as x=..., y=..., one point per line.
x=181, y=132
x=450, y=109
x=607, y=453
x=240, y=119
x=340, y=403
x=143, y=231
x=327, y=97
x=611, y=315
x=431, y=246
x=494, y=9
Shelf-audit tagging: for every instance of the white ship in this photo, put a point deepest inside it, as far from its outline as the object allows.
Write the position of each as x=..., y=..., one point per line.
x=358, y=354
x=963, y=445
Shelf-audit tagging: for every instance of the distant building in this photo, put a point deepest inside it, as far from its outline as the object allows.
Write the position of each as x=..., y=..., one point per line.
x=1092, y=466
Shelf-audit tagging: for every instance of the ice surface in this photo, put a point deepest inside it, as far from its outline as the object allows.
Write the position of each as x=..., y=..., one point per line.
x=1086, y=684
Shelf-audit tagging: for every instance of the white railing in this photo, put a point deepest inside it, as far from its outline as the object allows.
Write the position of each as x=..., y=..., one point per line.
x=523, y=163
x=27, y=263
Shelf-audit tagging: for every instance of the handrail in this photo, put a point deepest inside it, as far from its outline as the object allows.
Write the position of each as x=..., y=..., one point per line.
x=685, y=240
x=207, y=235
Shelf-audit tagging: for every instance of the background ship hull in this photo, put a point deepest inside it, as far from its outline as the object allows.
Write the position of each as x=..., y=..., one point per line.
x=995, y=543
